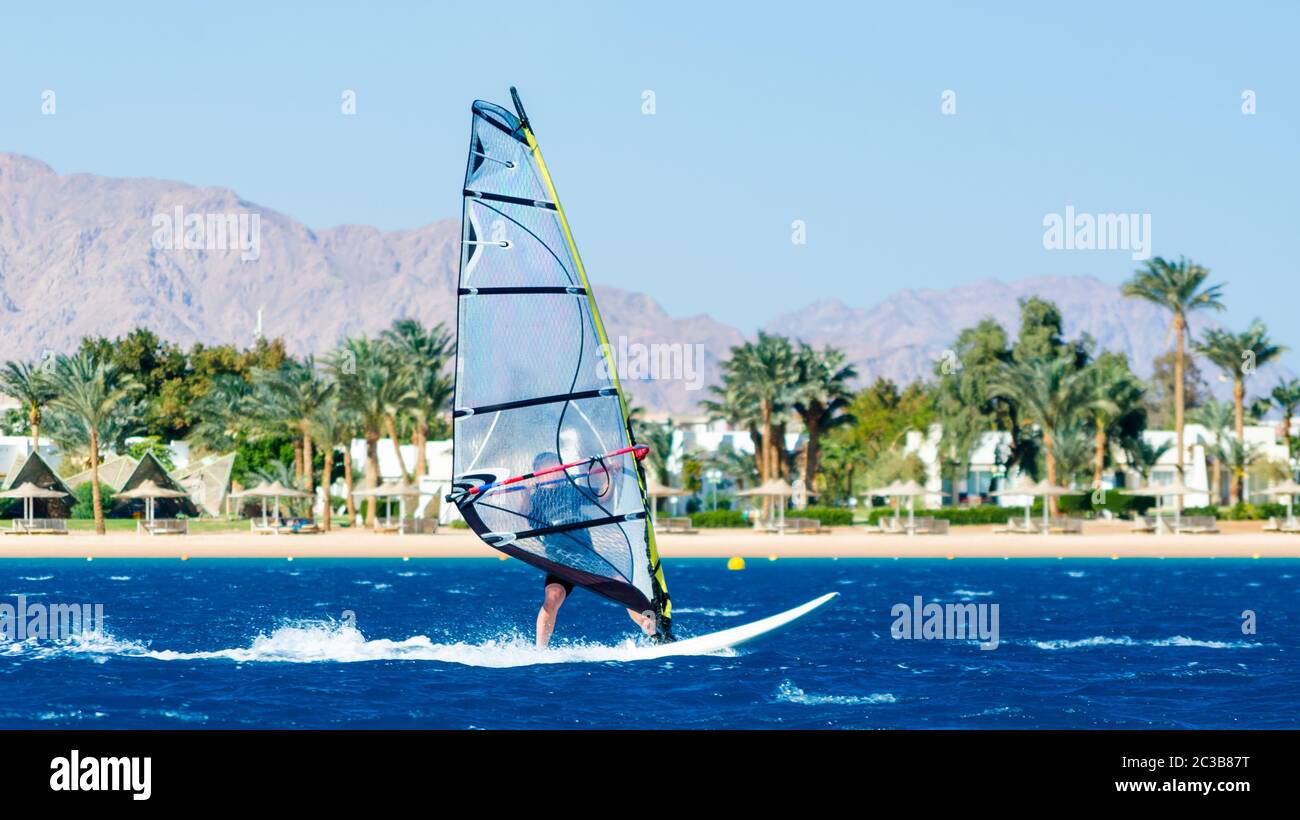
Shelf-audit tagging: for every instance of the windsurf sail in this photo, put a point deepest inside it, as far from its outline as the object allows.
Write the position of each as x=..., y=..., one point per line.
x=545, y=465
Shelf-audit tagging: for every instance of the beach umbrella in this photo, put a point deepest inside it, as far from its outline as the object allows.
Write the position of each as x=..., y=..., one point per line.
x=1175, y=489
x=401, y=490
x=29, y=492
x=1025, y=486
x=150, y=492
x=910, y=490
x=271, y=489
x=1287, y=488
x=773, y=488
x=888, y=491
x=1043, y=490
x=653, y=489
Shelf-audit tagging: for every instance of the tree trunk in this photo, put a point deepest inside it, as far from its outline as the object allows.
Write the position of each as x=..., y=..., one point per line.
x=372, y=474
x=34, y=419
x=391, y=424
x=420, y=438
x=348, y=485
x=297, y=459
x=1180, y=328
x=96, y=501
x=1239, y=411
x=810, y=457
x=328, y=455
x=765, y=463
x=1050, y=460
x=1098, y=454
x=309, y=479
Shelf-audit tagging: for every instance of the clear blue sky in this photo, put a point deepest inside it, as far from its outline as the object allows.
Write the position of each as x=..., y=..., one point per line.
x=766, y=113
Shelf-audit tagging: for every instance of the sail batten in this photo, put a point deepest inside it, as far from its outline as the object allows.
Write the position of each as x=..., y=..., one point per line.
x=545, y=466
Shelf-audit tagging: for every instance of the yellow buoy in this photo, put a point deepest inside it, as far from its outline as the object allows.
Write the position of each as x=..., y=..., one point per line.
x=290, y=558
x=772, y=557
x=1114, y=556
x=1254, y=555
x=406, y=558
x=735, y=563
x=185, y=558
x=951, y=556
x=504, y=557
x=90, y=558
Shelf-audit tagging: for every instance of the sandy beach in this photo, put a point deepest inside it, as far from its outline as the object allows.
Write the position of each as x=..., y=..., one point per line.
x=1239, y=539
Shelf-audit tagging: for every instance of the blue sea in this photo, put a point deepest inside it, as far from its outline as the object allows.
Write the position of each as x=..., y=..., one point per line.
x=437, y=643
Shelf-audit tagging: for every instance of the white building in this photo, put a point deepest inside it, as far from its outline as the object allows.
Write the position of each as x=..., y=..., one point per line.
x=14, y=449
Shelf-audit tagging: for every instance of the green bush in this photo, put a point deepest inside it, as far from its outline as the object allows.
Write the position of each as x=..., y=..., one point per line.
x=84, y=507
x=828, y=516
x=1120, y=506
x=719, y=518
x=957, y=516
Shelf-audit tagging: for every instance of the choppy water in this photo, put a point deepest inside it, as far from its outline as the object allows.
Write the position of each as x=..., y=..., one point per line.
x=442, y=643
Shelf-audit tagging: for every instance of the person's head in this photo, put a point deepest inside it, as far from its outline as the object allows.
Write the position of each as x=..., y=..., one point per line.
x=545, y=461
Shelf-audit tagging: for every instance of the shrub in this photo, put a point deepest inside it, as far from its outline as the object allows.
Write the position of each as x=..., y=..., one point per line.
x=985, y=514
x=719, y=518
x=828, y=516
x=84, y=507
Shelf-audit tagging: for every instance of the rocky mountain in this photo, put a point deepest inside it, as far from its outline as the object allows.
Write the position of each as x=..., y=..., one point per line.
x=83, y=254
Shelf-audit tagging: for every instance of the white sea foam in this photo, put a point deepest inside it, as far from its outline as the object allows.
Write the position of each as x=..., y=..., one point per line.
x=1124, y=640
x=119, y=577
x=35, y=577
x=333, y=642
x=966, y=593
x=787, y=692
x=710, y=612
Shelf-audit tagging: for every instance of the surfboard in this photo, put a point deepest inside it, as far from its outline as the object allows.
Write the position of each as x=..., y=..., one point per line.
x=736, y=635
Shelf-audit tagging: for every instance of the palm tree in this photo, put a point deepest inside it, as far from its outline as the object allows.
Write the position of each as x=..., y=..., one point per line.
x=222, y=414
x=1177, y=287
x=1051, y=393
x=820, y=397
x=369, y=390
x=1287, y=398
x=735, y=409
x=766, y=372
x=1217, y=417
x=92, y=392
x=1109, y=377
x=286, y=398
x=421, y=358
x=30, y=385
x=329, y=426
x=1238, y=355
x=1143, y=457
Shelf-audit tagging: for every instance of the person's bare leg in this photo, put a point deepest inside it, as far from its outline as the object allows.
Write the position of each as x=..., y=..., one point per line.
x=546, y=615
x=646, y=622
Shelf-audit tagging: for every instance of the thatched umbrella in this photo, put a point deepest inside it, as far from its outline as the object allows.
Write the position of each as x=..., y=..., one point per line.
x=400, y=489
x=1175, y=489
x=29, y=492
x=1287, y=488
x=150, y=492
x=773, y=488
x=1043, y=490
x=271, y=489
x=653, y=490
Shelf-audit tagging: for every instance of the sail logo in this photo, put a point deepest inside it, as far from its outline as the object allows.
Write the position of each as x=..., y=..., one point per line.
x=920, y=621
x=1100, y=232
x=23, y=621
x=216, y=231
x=657, y=361
x=75, y=773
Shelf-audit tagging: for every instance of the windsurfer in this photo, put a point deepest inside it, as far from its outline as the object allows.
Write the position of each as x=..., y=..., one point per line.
x=547, y=503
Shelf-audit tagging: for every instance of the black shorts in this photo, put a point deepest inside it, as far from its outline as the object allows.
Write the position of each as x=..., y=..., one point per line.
x=555, y=579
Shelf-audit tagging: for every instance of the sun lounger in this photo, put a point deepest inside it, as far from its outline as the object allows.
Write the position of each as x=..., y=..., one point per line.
x=1198, y=525
x=681, y=525
x=298, y=526
x=1143, y=523
x=931, y=526
x=1272, y=525
x=1066, y=526
x=38, y=526
x=162, y=526
x=799, y=526
x=271, y=527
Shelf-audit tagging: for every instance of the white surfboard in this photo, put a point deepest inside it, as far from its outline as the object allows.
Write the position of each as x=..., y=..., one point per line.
x=737, y=635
